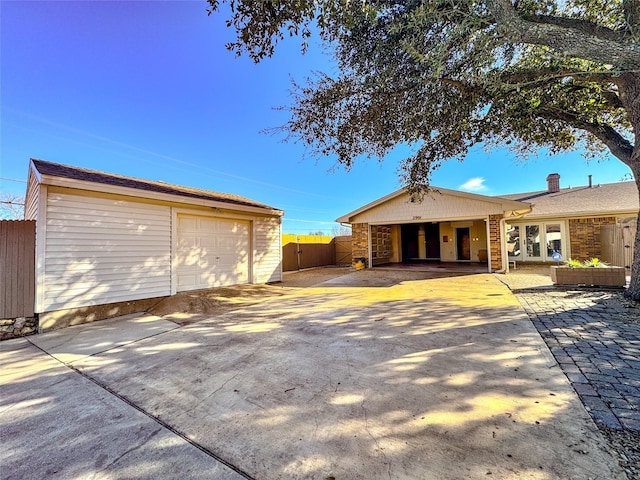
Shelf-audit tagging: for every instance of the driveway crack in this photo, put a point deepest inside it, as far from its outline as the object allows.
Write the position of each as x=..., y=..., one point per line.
x=132, y=449
x=375, y=440
x=224, y=384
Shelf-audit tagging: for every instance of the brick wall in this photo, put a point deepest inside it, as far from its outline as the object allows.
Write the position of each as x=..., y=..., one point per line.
x=495, y=242
x=584, y=234
x=360, y=240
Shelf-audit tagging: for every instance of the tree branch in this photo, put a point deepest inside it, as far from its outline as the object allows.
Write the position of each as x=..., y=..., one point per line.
x=569, y=41
x=612, y=98
x=545, y=75
x=632, y=16
x=619, y=146
x=584, y=26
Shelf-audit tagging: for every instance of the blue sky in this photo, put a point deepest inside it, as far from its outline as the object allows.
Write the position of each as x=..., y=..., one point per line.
x=147, y=89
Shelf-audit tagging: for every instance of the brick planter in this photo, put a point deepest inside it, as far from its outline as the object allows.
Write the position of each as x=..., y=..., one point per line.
x=590, y=276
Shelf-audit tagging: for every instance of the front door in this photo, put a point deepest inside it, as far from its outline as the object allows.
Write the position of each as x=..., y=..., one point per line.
x=463, y=243
x=432, y=241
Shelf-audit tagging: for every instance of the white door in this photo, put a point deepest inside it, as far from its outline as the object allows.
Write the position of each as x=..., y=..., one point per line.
x=211, y=252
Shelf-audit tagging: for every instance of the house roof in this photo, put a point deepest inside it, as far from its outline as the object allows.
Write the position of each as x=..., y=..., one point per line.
x=58, y=170
x=603, y=199
x=506, y=203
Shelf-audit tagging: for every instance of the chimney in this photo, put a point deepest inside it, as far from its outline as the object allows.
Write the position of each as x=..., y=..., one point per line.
x=590, y=182
x=553, y=182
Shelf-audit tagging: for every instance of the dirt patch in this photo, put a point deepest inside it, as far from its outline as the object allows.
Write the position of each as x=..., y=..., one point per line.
x=190, y=307
x=313, y=276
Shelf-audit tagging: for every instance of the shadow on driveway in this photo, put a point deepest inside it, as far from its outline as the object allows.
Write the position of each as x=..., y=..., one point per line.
x=434, y=378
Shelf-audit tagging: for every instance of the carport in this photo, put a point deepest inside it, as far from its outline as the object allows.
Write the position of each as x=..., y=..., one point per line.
x=445, y=226
x=462, y=241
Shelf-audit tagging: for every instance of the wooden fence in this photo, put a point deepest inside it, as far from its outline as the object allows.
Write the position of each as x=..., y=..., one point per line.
x=307, y=251
x=17, y=268
x=617, y=241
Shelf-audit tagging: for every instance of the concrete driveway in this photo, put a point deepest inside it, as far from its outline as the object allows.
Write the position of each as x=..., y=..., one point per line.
x=371, y=375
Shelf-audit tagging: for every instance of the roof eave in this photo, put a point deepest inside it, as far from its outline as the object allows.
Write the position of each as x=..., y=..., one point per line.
x=505, y=204
x=586, y=213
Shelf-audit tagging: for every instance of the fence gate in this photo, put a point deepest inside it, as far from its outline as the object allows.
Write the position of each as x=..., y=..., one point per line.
x=343, y=250
x=617, y=241
x=17, y=268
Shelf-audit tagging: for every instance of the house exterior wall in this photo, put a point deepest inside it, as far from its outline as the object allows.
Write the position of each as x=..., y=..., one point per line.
x=360, y=240
x=103, y=250
x=434, y=207
x=584, y=236
x=495, y=242
x=447, y=242
x=267, y=251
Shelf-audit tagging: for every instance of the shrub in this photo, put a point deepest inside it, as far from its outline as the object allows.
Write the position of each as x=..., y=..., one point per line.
x=594, y=262
x=591, y=263
x=573, y=263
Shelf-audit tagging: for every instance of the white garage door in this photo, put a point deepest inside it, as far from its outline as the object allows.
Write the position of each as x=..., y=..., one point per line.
x=211, y=252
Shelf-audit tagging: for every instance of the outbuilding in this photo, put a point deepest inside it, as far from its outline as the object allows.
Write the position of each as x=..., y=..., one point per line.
x=108, y=244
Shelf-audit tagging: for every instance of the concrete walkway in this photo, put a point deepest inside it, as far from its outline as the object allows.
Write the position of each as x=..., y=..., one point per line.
x=370, y=375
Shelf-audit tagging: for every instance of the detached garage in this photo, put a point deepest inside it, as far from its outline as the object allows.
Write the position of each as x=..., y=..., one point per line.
x=107, y=245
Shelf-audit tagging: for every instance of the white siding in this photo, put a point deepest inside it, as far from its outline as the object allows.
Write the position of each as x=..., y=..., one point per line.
x=267, y=255
x=434, y=207
x=31, y=199
x=104, y=250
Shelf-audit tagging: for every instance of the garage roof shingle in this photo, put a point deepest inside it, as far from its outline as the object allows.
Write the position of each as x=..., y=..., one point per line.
x=86, y=175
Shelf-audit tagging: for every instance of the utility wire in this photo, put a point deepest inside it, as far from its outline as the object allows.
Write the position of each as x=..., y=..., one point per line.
x=13, y=180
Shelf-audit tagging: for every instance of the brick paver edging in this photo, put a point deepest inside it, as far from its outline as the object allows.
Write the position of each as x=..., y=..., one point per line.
x=595, y=338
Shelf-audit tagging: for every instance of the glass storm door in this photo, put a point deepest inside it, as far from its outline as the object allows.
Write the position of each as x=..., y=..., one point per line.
x=514, y=248
x=553, y=237
x=532, y=242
